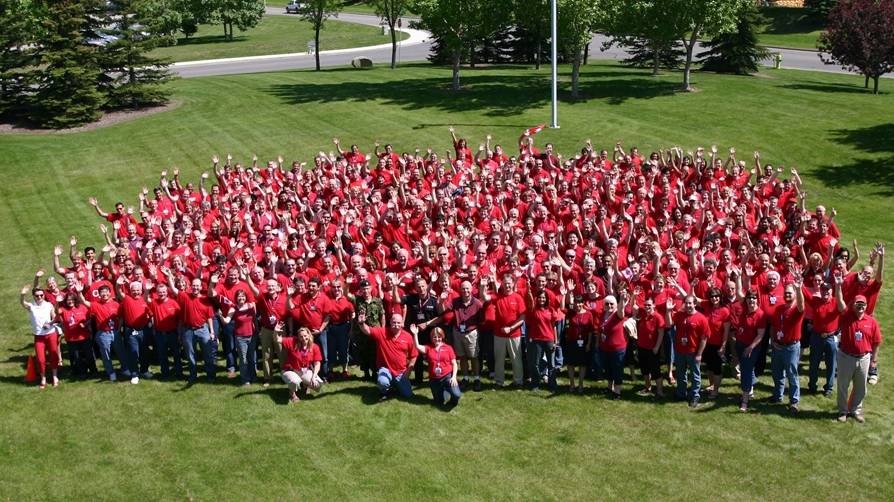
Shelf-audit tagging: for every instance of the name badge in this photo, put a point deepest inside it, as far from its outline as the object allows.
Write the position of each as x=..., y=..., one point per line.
x=772, y=300
x=273, y=319
x=858, y=336
x=684, y=340
x=420, y=316
x=779, y=335
x=603, y=337
x=438, y=370
x=462, y=328
x=580, y=343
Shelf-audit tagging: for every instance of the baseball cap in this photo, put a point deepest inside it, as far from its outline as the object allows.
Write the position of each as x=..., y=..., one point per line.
x=364, y=283
x=860, y=299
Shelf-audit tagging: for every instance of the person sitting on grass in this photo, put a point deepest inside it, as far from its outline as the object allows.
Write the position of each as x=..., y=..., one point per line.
x=301, y=364
x=395, y=355
x=442, y=368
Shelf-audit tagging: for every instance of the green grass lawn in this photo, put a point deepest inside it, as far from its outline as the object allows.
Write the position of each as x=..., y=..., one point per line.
x=220, y=442
x=351, y=6
x=274, y=35
x=791, y=27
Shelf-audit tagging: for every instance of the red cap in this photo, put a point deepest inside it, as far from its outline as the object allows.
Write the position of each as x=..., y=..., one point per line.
x=860, y=299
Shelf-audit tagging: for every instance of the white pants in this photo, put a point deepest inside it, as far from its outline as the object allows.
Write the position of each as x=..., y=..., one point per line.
x=856, y=370
x=502, y=345
x=302, y=378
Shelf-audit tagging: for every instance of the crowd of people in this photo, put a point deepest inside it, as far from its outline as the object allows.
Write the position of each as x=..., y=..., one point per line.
x=674, y=263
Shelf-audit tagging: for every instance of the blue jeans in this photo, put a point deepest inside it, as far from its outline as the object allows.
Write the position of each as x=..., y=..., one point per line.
x=132, y=341
x=337, y=343
x=560, y=340
x=165, y=341
x=667, y=344
x=439, y=386
x=226, y=332
x=684, y=365
x=324, y=351
x=537, y=349
x=208, y=347
x=613, y=363
x=385, y=381
x=746, y=367
x=106, y=340
x=248, y=357
x=784, y=364
x=823, y=349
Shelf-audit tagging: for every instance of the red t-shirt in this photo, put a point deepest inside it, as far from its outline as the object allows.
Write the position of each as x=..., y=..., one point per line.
x=272, y=311
x=507, y=310
x=579, y=328
x=310, y=312
x=297, y=357
x=691, y=329
x=393, y=352
x=166, y=314
x=611, y=337
x=74, y=323
x=747, y=325
x=226, y=295
x=540, y=324
x=717, y=317
x=825, y=314
x=105, y=315
x=440, y=361
x=196, y=310
x=134, y=312
x=786, y=324
x=244, y=322
x=647, y=330
x=859, y=336
x=341, y=310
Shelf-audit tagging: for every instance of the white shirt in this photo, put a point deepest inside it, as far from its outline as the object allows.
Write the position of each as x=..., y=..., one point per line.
x=42, y=315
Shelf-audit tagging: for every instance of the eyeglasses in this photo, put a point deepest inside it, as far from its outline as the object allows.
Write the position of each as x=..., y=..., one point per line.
x=713, y=296
x=39, y=295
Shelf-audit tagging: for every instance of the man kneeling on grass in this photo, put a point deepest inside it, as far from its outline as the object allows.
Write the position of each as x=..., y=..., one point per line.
x=395, y=355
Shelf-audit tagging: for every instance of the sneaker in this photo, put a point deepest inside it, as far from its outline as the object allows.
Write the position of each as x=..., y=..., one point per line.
x=644, y=392
x=383, y=398
x=113, y=377
x=827, y=393
x=859, y=418
x=743, y=407
x=135, y=380
x=794, y=408
x=694, y=403
x=873, y=379
x=147, y=375
x=477, y=386
x=842, y=418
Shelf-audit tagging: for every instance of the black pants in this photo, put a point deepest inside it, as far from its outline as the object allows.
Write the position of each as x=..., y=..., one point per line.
x=81, y=358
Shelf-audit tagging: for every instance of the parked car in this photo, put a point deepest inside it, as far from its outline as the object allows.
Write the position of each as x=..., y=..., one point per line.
x=294, y=7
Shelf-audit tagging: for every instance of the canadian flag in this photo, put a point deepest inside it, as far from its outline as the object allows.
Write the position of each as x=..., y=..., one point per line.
x=534, y=130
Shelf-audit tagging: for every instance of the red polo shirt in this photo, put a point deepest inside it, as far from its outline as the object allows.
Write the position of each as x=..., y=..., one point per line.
x=507, y=310
x=105, y=315
x=309, y=312
x=611, y=337
x=74, y=322
x=272, y=311
x=647, y=330
x=786, y=324
x=540, y=324
x=440, y=361
x=747, y=324
x=134, y=312
x=825, y=314
x=690, y=330
x=859, y=336
x=196, y=310
x=717, y=316
x=393, y=352
x=165, y=314
x=298, y=358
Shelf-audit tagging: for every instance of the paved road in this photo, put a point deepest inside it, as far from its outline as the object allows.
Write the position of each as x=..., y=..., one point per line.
x=415, y=48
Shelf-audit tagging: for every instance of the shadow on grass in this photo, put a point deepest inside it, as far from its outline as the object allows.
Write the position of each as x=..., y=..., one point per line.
x=210, y=39
x=876, y=171
x=830, y=87
x=490, y=94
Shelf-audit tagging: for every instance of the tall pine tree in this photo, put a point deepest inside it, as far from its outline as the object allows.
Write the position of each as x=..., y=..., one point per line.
x=16, y=54
x=67, y=93
x=134, y=79
x=738, y=51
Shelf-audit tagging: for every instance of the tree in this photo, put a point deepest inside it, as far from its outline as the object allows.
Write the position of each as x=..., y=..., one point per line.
x=192, y=13
x=647, y=27
x=17, y=30
x=316, y=12
x=242, y=14
x=820, y=6
x=391, y=11
x=860, y=37
x=532, y=19
x=737, y=51
x=691, y=20
x=67, y=93
x=645, y=53
x=136, y=79
x=577, y=20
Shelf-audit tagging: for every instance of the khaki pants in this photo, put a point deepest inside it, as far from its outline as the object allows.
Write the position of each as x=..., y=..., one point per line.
x=856, y=370
x=269, y=347
x=303, y=377
x=502, y=345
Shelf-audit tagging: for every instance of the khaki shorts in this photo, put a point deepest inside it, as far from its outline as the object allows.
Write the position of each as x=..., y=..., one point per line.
x=465, y=344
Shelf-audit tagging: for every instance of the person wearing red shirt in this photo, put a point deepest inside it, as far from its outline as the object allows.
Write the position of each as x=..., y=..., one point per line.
x=134, y=313
x=311, y=311
x=242, y=318
x=786, y=323
x=442, y=367
x=613, y=341
x=718, y=318
x=301, y=362
x=198, y=325
x=577, y=340
x=395, y=355
x=540, y=323
x=341, y=311
x=749, y=325
x=72, y=316
x=824, y=338
x=509, y=315
x=649, y=339
x=860, y=340
x=690, y=338
x=104, y=312
x=272, y=308
x=224, y=296
x=165, y=312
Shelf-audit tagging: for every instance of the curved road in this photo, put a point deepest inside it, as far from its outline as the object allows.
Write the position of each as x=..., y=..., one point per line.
x=415, y=48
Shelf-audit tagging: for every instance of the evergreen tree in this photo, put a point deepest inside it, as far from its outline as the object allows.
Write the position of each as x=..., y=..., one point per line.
x=642, y=53
x=67, y=93
x=820, y=6
x=16, y=54
x=134, y=78
x=737, y=51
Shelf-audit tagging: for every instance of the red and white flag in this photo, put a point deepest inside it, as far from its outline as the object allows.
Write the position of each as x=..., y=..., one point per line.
x=534, y=130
